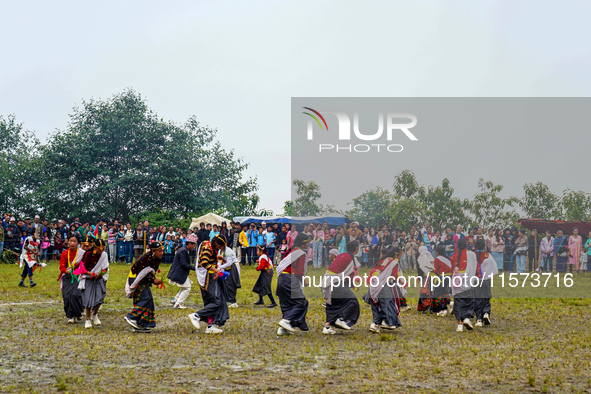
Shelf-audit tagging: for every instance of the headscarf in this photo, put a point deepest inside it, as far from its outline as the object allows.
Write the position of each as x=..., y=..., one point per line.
x=425, y=260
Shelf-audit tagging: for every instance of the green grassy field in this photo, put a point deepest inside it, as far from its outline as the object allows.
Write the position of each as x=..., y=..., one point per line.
x=533, y=345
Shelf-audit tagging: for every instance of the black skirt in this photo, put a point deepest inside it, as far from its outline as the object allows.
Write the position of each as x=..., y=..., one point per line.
x=263, y=285
x=232, y=284
x=215, y=300
x=293, y=302
x=72, y=297
x=343, y=305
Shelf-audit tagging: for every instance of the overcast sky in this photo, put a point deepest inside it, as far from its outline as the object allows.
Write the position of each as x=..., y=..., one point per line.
x=235, y=65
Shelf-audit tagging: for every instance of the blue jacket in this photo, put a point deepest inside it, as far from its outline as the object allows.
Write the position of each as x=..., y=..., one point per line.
x=180, y=268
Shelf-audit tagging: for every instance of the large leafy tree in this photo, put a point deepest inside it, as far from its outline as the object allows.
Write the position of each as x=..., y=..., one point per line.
x=443, y=208
x=116, y=159
x=576, y=205
x=306, y=199
x=370, y=208
x=489, y=209
x=539, y=202
x=18, y=152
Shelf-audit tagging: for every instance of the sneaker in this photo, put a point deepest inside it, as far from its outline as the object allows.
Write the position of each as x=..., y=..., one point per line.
x=234, y=305
x=72, y=320
x=285, y=324
x=132, y=323
x=33, y=284
x=460, y=328
x=450, y=307
x=468, y=324
x=95, y=320
x=213, y=330
x=442, y=313
x=405, y=308
x=385, y=326
x=78, y=319
x=261, y=302
x=478, y=323
x=21, y=284
x=374, y=328
x=324, y=304
x=486, y=319
x=328, y=330
x=271, y=306
x=173, y=301
x=282, y=331
x=179, y=306
x=195, y=321
x=88, y=324
x=341, y=324
x=142, y=330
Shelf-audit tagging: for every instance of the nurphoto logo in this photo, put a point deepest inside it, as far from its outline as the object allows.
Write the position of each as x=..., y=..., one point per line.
x=391, y=123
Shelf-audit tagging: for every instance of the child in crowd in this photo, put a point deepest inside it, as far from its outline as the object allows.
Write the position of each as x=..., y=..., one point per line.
x=168, y=248
x=283, y=248
x=45, y=244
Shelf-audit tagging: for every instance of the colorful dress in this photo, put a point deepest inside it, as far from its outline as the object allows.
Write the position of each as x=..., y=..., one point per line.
x=139, y=281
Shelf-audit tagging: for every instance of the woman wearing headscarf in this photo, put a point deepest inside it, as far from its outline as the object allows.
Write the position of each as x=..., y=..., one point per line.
x=425, y=262
x=561, y=251
x=464, y=269
x=342, y=307
x=384, y=295
x=290, y=283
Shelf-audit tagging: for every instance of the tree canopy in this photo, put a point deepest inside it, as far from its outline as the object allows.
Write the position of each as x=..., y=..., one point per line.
x=117, y=158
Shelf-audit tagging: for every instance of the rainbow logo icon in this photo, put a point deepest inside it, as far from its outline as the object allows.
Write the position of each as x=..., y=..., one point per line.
x=315, y=118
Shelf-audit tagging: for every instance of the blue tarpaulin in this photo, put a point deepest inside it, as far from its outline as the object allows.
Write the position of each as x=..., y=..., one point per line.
x=331, y=220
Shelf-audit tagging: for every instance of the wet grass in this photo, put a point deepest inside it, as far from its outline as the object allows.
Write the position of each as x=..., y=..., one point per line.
x=538, y=345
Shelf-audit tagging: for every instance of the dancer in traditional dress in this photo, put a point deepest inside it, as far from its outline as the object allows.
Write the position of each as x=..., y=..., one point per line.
x=227, y=261
x=486, y=269
x=262, y=287
x=384, y=292
x=93, y=272
x=290, y=287
x=142, y=275
x=464, y=263
x=441, y=289
x=28, y=260
x=180, y=269
x=342, y=306
x=69, y=283
x=211, y=281
x=425, y=262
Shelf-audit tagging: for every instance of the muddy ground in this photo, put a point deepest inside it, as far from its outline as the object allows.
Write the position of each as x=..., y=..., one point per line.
x=533, y=345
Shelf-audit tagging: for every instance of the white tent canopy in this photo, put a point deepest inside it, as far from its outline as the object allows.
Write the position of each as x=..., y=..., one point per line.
x=210, y=218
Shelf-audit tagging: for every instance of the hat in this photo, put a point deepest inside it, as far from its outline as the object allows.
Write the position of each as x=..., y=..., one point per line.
x=263, y=222
x=154, y=246
x=333, y=252
x=192, y=238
